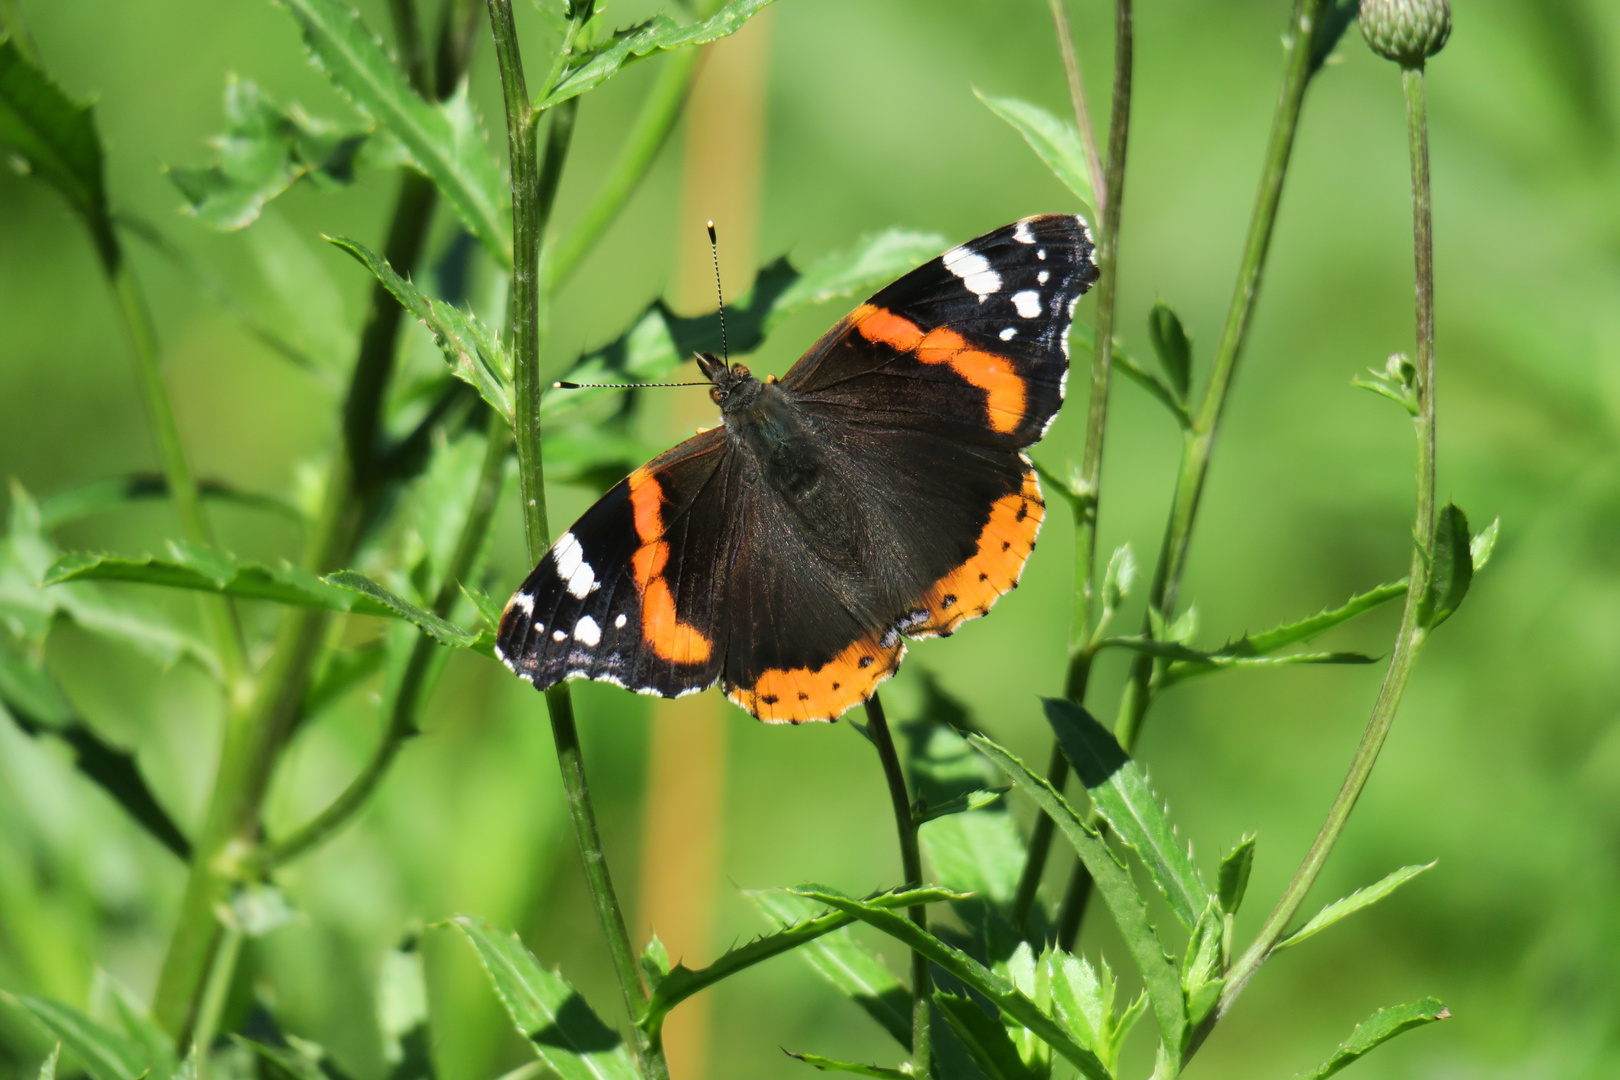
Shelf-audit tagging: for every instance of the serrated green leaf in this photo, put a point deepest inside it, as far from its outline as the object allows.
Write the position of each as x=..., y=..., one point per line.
x=1172, y=346
x=55, y=137
x=1483, y=544
x=474, y=353
x=845, y=963
x=1234, y=875
x=213, y=571
x=104, y=1053
x=985, y=1039
x=1083, y=1000
x=155, y=1043
x=1292, y=633
x=487, y=609
x=1055, y=141
x=1451, y=569
x=1201, y=969
x=654, y=961
x=1351, y=904
x=1114, y=885
x=1378, y=1029
x=445, y=141
x=682, y=982
x=1120, y=791
x=657, y=35
x=265, y=149
x=441, y=630
x=660, y=340
x=826, y=1064
x=973, y=800
x=1006, y=997
x=565, y=1034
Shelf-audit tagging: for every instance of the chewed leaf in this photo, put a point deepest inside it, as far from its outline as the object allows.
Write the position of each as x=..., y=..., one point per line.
x=266, y=148
x=656, y=35
x=444, y=141
x=473, y=352
x=55, y=138
x=1351, y=904
x=1378, y=1029
x=565, y=1034
x=1057, y=142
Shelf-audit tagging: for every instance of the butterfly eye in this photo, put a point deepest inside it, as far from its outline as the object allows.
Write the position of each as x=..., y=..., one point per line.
x=717, y=395
x=739, y=371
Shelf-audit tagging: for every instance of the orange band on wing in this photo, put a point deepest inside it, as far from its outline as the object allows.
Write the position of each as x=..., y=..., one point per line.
x=1004, y=388
x=793, y=695
x=670, y=638
x=1004, y=546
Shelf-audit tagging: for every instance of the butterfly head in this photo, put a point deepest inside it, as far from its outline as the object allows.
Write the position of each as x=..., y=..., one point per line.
x=735, y=387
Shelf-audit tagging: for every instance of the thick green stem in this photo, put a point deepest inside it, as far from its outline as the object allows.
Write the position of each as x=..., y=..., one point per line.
x=534, y=188
x=911, y=863
x=255, y=734
x=647, y=136
x=1409, y=639
x=1199, y=442
x=220, y=612
x=417, y=679
x=1111, y=199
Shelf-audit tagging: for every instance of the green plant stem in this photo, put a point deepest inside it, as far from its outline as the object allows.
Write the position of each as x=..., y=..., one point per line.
x=417, y=679
x=1089, y=482
x=1077, y=99
x=534, y=188
x=220, y=612
x=1199, y=441
x=254, y=735
x=645, y=139
x=1409, y=639
x=911, y=863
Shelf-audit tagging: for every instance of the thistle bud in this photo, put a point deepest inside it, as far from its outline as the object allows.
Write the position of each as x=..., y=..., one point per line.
x=1406, y=31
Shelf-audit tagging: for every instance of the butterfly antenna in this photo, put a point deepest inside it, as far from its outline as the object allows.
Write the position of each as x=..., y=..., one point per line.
x=719, y=294
x=618, y=385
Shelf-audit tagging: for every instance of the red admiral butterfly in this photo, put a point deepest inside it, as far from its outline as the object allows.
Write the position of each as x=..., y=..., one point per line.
x=877, y=491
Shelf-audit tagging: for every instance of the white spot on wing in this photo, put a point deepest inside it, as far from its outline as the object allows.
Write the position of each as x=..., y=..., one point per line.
x=1041, y=254
x=558, y=635
x=1027, y=302
x=618, y=624
x=1009, y=333
x=575, y=572
x=523, y=602
x=587, y=631
x=1043, y=276
x=973, y=269
x=1063, y=382
x=1022, y=234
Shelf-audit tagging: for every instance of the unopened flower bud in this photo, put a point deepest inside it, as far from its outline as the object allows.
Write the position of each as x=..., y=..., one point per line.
x=1406, y=31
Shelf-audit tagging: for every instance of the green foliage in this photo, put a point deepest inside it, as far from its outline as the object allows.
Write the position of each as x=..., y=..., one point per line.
x=1173, y=348
x=444, y=140
x=987, y=1042
x=474, y=354
x=1234, y=875
x=1055, y=141
x=1351, y=904
x=266, y=148
x=657, y=35
x=1451, y=568
x=826, y=1064
x=1378, y=1029
x=1120, y=791
x=55, y=139
x=1083, y=999
x=104, y=1053
x=570, y=1039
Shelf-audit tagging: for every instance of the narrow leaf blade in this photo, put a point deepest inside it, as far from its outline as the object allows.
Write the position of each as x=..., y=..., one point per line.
x=105, y=1053
x=441, y=630
x=1378, y=1029
x=566, y=1035
x=1451, y=569
x=826, y=1064
x=1055, y=141
x=1351, y=904
x=1120, y=791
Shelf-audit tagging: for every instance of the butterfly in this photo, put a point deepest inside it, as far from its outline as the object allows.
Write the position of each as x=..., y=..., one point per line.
x=877, y=492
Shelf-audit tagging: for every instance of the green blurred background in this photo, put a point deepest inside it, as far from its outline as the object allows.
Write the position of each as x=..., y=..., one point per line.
x=1504, y=764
